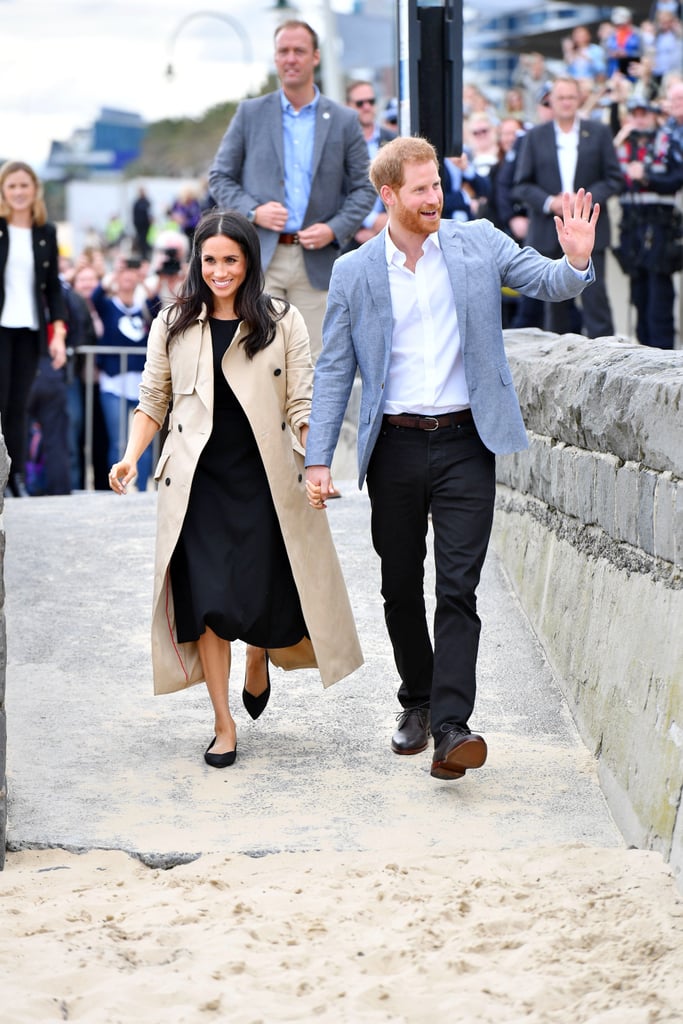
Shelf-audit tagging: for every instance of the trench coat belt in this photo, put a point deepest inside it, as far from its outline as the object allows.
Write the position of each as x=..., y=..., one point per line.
x=412, y=421
x=288, y=238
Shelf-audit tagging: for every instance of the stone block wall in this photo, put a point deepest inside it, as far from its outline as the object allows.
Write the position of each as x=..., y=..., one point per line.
x=589, y=523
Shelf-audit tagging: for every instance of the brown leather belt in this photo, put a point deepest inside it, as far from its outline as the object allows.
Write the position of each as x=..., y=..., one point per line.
x=412, y=421
x=288, y=238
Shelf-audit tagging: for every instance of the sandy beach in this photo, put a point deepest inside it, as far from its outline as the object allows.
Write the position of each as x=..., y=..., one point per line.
x=549, y=935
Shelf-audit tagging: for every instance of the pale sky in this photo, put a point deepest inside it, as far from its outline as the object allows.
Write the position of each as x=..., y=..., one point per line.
x=62, y=60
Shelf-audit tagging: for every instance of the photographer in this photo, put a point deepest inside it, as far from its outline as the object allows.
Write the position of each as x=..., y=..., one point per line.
x=169, y=266
x=650, y=240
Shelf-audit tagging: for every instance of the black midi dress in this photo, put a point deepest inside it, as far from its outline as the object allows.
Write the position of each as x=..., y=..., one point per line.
x=230, y=569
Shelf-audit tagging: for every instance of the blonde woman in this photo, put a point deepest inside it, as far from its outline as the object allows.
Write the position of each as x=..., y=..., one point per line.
x=30, y=300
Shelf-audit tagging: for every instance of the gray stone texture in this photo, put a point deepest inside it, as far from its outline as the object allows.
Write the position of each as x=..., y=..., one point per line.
x=592, y=537
x=608, y=396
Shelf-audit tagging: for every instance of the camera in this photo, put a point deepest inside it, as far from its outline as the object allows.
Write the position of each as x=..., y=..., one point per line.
x=170, y=265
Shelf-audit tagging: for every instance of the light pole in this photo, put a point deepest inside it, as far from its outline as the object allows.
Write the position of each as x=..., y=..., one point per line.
x=248, y=53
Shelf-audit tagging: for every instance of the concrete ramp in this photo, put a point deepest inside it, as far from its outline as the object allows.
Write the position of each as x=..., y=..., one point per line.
x=96, y=761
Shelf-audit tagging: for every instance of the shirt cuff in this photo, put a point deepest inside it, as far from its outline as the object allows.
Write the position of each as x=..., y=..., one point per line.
x=585, y=275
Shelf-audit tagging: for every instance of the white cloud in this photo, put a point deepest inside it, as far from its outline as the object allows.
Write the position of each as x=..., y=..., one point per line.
x=65, y=59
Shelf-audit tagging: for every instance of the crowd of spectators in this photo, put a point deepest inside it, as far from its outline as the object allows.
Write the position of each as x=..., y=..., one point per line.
x=622, y=71
x=630, y=80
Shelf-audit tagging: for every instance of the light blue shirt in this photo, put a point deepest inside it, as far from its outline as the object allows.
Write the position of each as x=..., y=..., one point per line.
x=298, y=132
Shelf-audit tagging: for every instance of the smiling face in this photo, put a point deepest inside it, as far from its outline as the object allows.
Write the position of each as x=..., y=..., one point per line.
x=416, y=206
x=224, y=268
x=19, y=193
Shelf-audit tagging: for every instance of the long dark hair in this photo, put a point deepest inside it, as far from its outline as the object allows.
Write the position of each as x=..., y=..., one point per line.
x=252, y=305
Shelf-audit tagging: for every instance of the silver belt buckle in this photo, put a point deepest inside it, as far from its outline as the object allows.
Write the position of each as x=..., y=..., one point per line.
x=436, y=423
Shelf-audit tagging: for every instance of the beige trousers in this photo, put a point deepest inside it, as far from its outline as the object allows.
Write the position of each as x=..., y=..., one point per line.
x=286, y=278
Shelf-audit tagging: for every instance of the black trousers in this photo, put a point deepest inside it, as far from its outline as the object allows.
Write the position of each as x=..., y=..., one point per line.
x=452, y=474
x=19, y=352
x=48, y=405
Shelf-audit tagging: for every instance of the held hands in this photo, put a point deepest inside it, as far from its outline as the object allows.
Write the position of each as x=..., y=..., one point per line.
x=576, y=228
x=319, y=486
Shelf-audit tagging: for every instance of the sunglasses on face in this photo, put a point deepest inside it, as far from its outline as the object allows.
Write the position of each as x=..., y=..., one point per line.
x=361, y=103
x=481, y=131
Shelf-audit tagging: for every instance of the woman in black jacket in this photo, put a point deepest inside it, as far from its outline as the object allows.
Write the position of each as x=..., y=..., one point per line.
x=30, y=298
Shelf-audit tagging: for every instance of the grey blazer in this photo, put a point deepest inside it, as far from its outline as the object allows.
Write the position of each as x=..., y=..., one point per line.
x=357, y=333
x=249, y=170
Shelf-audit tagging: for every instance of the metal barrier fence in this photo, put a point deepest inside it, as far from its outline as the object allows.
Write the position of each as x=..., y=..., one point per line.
x=90, y=352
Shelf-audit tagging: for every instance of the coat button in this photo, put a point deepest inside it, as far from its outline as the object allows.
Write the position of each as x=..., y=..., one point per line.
x=46, y=263
x=180, y=428
x=300, y=477
x=43, y=242
x=167, y=481
x=276, y=373
x=284, y=425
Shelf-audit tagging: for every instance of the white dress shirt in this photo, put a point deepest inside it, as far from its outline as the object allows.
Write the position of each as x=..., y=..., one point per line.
x=567, y=151
x=426, y=369
x=19, y=309
x=567, y=145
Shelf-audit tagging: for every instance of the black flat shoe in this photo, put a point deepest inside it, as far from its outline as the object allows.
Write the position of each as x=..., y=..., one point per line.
x=257, y=705
x=220, y=760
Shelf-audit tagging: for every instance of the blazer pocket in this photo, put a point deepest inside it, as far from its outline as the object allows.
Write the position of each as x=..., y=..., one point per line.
x=505, y=374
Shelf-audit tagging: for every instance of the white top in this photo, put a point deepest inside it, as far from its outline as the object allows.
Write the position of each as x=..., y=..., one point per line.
x=567, y=151
x=19, y=309
x=426, y=369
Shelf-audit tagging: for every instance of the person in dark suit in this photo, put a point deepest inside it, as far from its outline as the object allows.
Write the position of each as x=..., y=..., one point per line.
x=417, y=312
x=30, y=298
x=295, y=163
x=560, y=156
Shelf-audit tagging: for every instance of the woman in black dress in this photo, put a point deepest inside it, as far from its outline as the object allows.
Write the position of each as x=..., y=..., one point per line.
x=237, y=366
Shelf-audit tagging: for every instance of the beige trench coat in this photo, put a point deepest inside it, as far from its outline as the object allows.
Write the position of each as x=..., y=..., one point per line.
x=274, y=389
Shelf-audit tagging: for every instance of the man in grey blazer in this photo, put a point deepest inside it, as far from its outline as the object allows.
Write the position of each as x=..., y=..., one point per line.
x=417, y=310
x=295, y=163
x=560, y=156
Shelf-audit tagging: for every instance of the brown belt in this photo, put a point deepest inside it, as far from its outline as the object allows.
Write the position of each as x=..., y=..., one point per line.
x=414, y=422
x=288, y=238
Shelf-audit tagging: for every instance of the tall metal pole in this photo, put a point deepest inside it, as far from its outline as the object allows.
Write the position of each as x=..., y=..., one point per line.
x=430, y=45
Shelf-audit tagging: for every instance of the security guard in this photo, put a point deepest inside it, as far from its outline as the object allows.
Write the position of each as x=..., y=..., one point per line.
x=651, y=240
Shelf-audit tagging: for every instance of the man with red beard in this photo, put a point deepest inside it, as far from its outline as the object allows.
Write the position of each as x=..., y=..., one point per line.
x=417, y=310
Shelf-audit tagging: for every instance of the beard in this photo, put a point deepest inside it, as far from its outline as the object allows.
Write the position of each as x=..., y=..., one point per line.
x=413, y=221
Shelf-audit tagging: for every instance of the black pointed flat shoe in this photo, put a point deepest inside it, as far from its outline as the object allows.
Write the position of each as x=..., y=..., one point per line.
x=257, y=705
x=220, y=760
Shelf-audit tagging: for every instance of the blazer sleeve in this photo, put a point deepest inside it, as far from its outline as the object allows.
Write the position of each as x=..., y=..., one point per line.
x=531, y=182
x=54, y=296
x=360, y=194
x=225, y=176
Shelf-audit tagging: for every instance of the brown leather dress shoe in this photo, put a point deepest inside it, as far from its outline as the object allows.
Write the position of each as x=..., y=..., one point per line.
x=459, y=750
x=412, y=732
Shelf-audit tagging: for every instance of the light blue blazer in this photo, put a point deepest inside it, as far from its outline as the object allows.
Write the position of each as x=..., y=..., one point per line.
x=357, y=334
